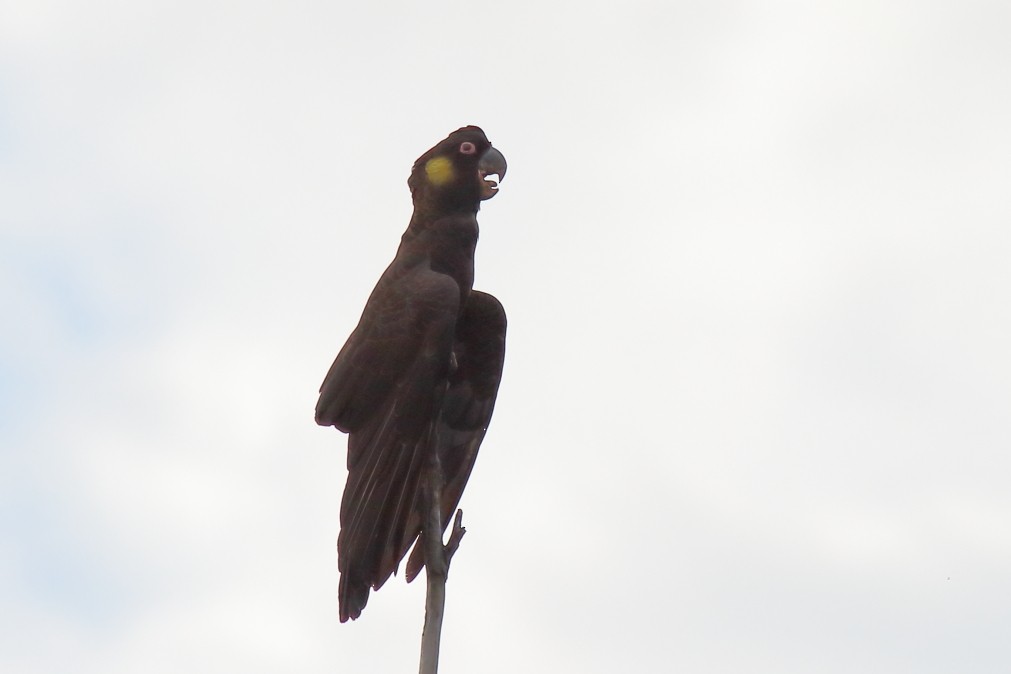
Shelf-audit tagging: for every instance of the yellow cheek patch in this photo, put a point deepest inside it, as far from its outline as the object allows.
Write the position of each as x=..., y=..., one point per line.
x=439, y=171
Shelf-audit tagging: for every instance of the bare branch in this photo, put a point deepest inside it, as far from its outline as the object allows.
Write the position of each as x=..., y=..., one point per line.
x=437, y=558
x=454, y=538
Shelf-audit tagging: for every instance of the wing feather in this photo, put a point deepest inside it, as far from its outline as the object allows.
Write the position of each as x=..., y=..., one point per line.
x=466, y=409
x=386, y=447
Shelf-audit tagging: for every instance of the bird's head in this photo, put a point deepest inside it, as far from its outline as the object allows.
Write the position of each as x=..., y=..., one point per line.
x=456, y=173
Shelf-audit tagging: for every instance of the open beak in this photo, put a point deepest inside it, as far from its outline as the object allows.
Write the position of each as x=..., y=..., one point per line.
x=492, y=163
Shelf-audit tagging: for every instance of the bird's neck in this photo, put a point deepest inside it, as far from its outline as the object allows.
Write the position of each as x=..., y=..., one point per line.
x=448, y=242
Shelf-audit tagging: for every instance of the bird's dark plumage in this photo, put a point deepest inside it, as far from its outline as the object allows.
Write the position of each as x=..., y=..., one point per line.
x=419, y=374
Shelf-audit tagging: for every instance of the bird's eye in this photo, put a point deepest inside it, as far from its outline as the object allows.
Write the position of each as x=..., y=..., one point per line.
x=467, y=147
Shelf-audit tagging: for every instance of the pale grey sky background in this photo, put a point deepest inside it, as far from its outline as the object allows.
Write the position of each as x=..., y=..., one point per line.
x=755, y=257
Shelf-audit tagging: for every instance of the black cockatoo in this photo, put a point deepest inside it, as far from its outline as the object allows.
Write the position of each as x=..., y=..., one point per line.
x=419, y=374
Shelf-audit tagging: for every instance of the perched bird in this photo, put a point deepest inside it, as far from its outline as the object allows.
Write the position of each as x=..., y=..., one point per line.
x=420, y=372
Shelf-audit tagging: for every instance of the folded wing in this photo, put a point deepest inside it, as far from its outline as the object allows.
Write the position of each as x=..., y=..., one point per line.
x=384, y=388
x=467, y=407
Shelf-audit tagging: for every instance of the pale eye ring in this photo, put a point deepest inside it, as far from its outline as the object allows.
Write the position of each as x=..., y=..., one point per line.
x=467, y=147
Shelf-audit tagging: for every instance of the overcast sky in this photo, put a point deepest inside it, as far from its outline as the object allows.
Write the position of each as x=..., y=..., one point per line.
x=755, y=256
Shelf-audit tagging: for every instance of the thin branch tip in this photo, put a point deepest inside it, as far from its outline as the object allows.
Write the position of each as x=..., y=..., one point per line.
x=455, y=537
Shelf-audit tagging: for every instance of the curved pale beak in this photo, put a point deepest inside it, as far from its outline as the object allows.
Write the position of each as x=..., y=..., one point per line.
x=492, y=163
